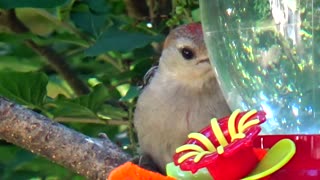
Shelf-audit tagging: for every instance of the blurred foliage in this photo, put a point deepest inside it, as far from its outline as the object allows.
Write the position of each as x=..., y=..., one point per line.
x=108, y=49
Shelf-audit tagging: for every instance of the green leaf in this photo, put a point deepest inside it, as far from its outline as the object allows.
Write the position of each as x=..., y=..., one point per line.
x=98, y=6
x=110, y=112
x=117, y=40
x=196, y=14
x=15, y=159
x=90, y=19
x=86, y=105
x=8, y=4
x=21, y=175
x=144, y=52
x=133, y=92
x=25, y=88
x=95, y=98
x=62, y=107
x=57, y=86
x=7, y=153
x=55, y=38
x=67, y=38
x=15, y=38
x=179, y=9
x=22, y=157
x=89, y=22
x=13, y=63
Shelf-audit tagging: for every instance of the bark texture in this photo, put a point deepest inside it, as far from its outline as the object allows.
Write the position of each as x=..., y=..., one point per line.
x=91, y=157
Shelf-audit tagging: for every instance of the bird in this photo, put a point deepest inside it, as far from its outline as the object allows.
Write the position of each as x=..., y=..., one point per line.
x=181, y=96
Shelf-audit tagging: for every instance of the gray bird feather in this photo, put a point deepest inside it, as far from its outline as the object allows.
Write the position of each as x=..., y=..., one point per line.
x=149, y=75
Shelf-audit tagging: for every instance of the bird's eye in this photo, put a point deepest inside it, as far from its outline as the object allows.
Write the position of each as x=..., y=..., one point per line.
x=187, y=53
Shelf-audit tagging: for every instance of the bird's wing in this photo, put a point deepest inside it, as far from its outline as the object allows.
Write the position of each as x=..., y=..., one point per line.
x=149, y=75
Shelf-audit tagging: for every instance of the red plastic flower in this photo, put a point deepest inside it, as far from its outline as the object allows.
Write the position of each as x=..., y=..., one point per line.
x=225, y=147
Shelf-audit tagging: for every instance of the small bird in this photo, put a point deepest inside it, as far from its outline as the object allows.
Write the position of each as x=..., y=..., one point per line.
x=182, y=96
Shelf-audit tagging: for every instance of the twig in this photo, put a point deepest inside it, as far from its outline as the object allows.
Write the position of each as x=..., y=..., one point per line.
x=90, y=157
x=111, y=61
x=91, y=121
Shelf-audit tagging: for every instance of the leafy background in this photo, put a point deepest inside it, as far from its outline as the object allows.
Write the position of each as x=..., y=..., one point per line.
x=108, y=44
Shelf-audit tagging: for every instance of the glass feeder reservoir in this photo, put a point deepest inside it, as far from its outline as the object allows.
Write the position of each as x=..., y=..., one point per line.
x=266, y=55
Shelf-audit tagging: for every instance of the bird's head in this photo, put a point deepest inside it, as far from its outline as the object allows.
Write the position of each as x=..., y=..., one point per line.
x=184, y=55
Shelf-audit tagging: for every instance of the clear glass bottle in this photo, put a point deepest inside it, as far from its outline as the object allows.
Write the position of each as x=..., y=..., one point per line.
x=267, y=56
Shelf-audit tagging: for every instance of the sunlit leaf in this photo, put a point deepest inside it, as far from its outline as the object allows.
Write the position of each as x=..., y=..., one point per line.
x=20, y=64
x=133, y=92
x=58, y=86
x=84, y=106
x=38, y=21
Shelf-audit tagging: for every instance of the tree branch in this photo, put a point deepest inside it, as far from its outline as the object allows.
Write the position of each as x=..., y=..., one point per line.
x=57, y=61
x=90, y=157
x=60, y=65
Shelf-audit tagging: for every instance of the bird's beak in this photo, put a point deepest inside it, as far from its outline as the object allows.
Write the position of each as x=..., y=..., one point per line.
x=204, y=60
